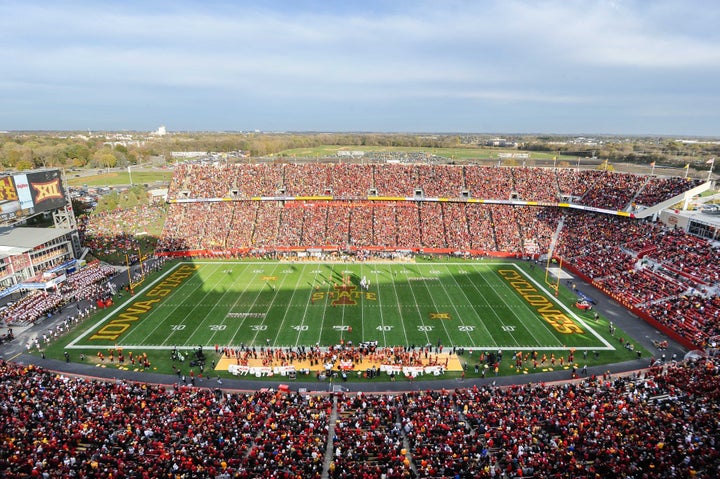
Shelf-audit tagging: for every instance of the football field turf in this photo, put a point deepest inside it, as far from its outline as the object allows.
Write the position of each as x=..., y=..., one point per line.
x=485, y=305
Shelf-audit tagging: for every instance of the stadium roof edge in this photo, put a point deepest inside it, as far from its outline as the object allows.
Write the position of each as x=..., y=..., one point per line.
x=25, y=238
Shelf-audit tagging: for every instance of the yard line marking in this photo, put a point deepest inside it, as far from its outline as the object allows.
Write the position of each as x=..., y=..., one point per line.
x=250, y=308
x=327, y=297
x=270, y=305
x=235, y=303
x=93, y=329
x=190, y=313
x=435, y=307
x=155, y=347
x=493, y=287
x=307, y=304
x=208, y=314
x=571, y=313
x=382, y=316
x=402, y=319
x=173, y=302
x=467, y=299
x=287, y=309
x=362, y=310
x=148, y=319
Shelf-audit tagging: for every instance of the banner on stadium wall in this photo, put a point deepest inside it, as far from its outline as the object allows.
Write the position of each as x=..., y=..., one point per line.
x=12, y=289
x=20, y=261
x=55, y=281
x=23, y=191
x=395, y=201
x=65, y=266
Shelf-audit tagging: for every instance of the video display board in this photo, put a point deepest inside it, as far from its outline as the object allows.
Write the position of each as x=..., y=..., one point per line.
x=29, y=193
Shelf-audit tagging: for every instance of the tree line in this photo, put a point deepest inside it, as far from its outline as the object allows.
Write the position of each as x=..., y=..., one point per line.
x=23, y=151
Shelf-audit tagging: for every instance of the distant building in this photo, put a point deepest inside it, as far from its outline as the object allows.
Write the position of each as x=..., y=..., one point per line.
x=189, y=154
x=161, y=131
x=500, y=142
x=350, y=154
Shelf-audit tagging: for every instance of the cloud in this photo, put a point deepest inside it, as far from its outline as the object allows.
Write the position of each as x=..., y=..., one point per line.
x=564, y=53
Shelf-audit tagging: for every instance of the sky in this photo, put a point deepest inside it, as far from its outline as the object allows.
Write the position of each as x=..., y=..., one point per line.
x=445, y=66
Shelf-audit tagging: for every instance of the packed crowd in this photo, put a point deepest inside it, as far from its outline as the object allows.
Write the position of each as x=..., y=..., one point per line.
x=603, y=189
x=662, y=423
x=402, y=157
x=573, y=183
x=58, y=426
x=217, y=180
x=693, y=316
x=86, y=283
x=332, y=358
x=109, y=231
x=668, y=274
x=645, y=263
x=613, y=191
x=531, y=184
x=659, y=189
x=395, y=224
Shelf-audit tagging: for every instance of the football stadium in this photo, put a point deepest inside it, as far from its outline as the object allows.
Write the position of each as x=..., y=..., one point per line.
x=375, y=319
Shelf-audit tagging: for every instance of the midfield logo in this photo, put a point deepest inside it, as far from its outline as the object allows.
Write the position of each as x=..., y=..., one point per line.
x=344, y=296
x=47, y=191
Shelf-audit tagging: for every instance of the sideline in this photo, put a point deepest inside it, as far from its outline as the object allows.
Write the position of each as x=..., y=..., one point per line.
x=635, y=367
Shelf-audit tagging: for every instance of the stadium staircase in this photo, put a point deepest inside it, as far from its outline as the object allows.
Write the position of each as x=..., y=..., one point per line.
x=555, y=236
x=331, y=434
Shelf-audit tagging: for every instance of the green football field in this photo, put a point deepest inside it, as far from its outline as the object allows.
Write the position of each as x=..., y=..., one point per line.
x=476, y=305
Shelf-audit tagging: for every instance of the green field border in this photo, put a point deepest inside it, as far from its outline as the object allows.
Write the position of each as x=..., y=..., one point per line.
x=161, y=362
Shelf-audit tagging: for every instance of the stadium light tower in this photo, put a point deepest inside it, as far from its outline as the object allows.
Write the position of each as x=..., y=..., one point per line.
x=710, y=162
x=130, y=174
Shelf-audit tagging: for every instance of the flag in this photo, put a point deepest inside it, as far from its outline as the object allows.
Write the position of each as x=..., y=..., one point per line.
x=687, y=166
x=711, y=160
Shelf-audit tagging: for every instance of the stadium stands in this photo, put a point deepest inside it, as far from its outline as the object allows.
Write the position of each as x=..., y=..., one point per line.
x=665, y=273
x=646, y=265
x=603, y=189
x=87, y=283
x=662, y=423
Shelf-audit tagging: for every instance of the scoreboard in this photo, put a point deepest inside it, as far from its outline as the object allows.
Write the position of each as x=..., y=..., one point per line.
x=26, y=194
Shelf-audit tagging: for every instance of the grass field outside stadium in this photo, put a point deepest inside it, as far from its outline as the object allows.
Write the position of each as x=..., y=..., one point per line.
x=475, y=306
